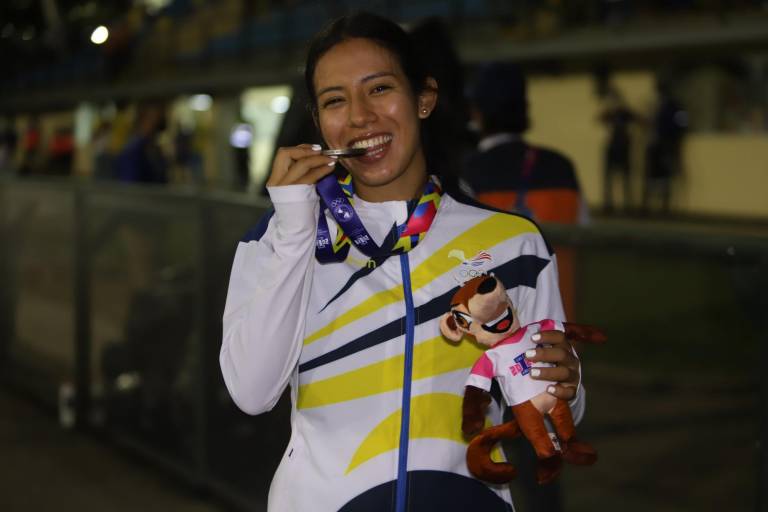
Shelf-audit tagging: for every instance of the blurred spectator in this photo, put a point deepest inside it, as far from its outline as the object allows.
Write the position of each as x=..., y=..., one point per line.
x=187, y=155
x=617, y=117
x=663, y=160
x=30, y=148
x=506, y=172
x=142, y=160
x=103, y=158
x=8, y=141
x=61, y=152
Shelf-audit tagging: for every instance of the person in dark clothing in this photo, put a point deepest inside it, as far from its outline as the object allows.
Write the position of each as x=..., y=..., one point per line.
x=31, y=143
x=618, y=117
x=61, y=152
x=663, y=159
x=142, y=160
x=8, y=142
x=506, y=172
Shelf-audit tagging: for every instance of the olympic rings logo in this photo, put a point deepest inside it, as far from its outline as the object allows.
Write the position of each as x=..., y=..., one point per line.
x=471, y=273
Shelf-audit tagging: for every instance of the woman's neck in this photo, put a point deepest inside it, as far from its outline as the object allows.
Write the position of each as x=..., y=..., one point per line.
x=404, y=188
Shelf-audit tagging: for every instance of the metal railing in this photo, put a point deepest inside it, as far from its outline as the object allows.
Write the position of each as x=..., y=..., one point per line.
x=111, y=296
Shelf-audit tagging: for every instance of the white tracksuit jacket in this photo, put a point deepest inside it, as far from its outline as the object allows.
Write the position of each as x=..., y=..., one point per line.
x=376, y=390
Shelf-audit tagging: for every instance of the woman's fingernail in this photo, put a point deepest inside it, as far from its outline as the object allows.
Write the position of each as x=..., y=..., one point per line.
x=536, y=337
x=331, y=164
x=551, y=390
x=316, y=147
x=535, y=372
x=530, y=353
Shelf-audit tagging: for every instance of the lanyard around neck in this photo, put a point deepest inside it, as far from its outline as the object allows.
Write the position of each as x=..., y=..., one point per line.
x=335, y=196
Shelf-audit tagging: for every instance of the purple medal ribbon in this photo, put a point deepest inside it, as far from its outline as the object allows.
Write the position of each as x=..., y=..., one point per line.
x=334, y=198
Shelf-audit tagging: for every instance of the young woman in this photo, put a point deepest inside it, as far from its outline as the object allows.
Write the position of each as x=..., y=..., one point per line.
x=376, y=390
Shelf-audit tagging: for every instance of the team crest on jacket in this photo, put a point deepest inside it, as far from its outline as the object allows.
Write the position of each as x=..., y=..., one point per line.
x=481, y=263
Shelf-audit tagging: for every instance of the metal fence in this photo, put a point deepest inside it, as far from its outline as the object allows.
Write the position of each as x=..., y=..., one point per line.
x=111, y=302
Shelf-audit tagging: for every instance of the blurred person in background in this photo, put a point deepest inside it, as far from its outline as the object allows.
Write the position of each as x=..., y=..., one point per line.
x=617, y=117
x=103, y=158
x=61, y=152
x=663, y=160
x=30, y=148
x=505, y=171
x=187, y=155
x=143, y=160
x=8, y=142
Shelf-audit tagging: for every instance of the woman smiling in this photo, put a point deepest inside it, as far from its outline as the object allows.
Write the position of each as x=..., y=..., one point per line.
x=339, y=293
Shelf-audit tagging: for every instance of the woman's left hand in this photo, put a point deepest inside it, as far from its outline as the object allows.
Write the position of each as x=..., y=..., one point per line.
x=559, y=351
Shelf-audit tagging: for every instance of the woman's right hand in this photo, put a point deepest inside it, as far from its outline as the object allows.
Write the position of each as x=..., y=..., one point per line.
x=301, y=164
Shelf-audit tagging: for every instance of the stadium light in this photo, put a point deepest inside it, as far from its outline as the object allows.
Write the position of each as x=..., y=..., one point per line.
x=99, y=35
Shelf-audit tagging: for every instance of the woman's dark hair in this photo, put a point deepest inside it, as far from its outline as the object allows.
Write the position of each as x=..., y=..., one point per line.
x=445, y=136
x=365, y=26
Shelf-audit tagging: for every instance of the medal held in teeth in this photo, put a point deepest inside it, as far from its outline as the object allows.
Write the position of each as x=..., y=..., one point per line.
x=344, y=152
x=359, y=148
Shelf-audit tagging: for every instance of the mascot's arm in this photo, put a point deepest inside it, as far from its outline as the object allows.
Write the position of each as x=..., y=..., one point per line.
x=475, y=404
x=267, y=301
x=477, y=396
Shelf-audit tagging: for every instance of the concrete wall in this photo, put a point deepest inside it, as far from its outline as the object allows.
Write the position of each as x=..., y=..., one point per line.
x=725, y=173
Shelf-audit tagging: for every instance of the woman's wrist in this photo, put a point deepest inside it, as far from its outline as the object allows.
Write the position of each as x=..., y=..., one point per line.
x=298, y=193
x=295, y=206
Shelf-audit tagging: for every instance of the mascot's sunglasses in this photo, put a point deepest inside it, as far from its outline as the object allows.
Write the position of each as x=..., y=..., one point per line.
x=498, y=325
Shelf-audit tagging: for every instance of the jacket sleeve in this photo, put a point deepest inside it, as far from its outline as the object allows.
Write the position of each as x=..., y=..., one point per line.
x=544, y=301
x=267, y=299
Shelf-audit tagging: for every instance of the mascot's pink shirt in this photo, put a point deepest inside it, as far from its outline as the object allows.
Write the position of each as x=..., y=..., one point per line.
x=506, y=362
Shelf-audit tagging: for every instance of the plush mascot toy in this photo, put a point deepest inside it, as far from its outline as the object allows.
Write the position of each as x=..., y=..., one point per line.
x=482, y=310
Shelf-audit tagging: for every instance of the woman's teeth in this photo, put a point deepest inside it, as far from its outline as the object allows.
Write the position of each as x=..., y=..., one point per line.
x=372, y=142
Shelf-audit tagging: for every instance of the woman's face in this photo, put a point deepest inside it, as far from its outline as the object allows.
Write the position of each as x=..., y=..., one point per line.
x=365, y=100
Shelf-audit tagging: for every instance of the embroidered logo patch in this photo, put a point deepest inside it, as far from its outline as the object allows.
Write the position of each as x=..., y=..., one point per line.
x=478, y=265
x=522, y=366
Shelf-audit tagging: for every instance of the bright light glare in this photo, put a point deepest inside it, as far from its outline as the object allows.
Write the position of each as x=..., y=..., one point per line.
x=280, y=104
x=200, y=102
x=99, y=35
x=241, y=136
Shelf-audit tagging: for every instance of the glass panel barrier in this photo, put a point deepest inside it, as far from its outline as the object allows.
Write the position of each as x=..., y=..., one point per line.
x=38, y=285
x=145, y=327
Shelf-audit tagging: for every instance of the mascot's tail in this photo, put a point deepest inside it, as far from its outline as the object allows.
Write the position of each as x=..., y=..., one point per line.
x=479, y=460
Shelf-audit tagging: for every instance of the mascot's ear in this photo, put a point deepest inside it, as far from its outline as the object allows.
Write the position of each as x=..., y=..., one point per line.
x=449, y=328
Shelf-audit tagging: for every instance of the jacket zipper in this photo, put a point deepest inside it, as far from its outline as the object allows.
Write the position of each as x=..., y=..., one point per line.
x=401, y=499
